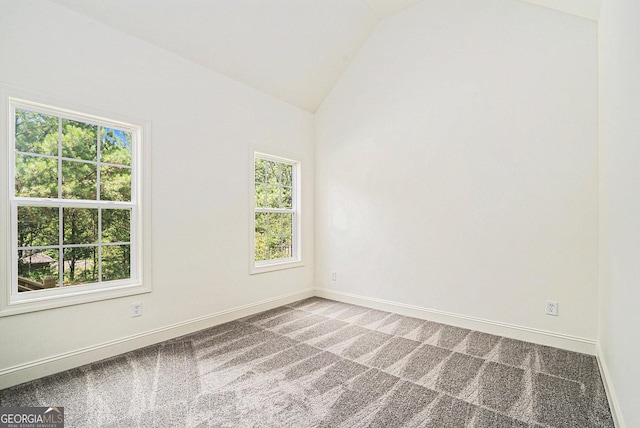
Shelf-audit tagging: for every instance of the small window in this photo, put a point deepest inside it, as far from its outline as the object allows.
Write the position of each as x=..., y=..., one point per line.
x=75, y=199
x=276, y=216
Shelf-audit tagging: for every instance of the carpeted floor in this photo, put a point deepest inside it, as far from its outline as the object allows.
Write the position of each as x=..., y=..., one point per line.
x=319, y=363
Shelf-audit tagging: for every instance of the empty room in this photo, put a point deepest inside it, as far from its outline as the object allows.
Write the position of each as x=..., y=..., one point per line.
x=320, y=213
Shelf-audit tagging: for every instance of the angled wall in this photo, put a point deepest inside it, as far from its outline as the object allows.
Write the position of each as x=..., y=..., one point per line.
x=619, y=318
x=457, y=170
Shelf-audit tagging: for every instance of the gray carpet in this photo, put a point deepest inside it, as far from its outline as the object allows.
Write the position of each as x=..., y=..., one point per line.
x=320, y=363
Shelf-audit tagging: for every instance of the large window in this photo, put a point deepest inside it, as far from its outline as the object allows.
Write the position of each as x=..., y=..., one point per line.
x=276, y=217
x=74, y=195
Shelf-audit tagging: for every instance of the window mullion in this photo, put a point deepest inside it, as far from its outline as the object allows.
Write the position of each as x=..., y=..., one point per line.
x=99, y=244
x=73, y=203
x=98, y=198
x=98, y=154
x=275, y=210
x=59, y=158
x=39, y=247
x=60, y=210
x=99, y=263
x=60, y=246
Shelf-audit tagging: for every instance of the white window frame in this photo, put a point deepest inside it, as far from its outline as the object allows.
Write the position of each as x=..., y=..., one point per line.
x=14, y=302
x=256, y=267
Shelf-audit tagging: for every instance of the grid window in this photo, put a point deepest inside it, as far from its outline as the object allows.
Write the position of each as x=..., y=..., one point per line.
x=276, y=210
x=73, y=200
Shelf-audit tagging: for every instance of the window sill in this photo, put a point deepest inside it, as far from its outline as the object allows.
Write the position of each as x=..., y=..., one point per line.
x=39, y=303
x=270, y=267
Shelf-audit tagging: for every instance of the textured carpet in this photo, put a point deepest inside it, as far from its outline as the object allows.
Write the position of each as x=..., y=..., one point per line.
x=320, y=363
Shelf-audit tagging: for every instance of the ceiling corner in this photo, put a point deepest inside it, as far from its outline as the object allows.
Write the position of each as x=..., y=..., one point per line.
x=589, y=9
x=385, y=8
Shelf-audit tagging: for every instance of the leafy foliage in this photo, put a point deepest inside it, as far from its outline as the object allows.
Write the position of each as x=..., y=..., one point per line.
x=36, y=133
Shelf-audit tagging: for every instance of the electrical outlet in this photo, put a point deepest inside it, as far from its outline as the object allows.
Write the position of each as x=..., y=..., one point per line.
x=136, y=309
x=551, y=308
x=333, y=276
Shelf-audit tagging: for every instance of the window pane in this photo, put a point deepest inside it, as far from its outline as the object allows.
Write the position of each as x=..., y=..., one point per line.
x=116, y=262
x=260, y=168
x=79, y=140
x=116, y=225
x=261, y=224
x=261, y=249
x=30, y=261
x=115, y=146
x=287, y=200
x=275, y=224
x=287, y=247
x=36, y=133
x=273, y=172
x=80, y=225
x=38, y=226
x=36, y=177
x=79, y=180
x=275, y=247
x=273, y=197
x=37, y=269
x=261, y=195
x=287, y=224
x=80, y=265
x=115, y=183
x=287, y=175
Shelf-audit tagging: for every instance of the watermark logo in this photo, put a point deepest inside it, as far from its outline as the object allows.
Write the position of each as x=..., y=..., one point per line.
x=31, y=417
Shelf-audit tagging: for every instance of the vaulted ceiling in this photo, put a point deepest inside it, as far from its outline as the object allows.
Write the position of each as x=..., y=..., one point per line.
x=294, y=50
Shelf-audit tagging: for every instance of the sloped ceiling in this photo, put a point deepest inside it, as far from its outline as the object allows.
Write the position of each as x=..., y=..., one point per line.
x=294, y=50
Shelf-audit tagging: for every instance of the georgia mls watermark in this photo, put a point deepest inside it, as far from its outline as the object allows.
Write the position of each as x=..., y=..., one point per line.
x=31, y=417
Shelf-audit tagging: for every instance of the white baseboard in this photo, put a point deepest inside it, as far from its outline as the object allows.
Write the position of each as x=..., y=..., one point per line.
x=542, y=337
x=608, y=386
x=36, y=369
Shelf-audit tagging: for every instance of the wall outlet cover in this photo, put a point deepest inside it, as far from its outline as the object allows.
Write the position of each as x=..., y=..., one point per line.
x=551, y=307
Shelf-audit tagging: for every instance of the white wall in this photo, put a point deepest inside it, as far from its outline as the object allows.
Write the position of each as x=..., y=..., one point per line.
x=203, y=126
x=457, y=166
x=619, y=319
